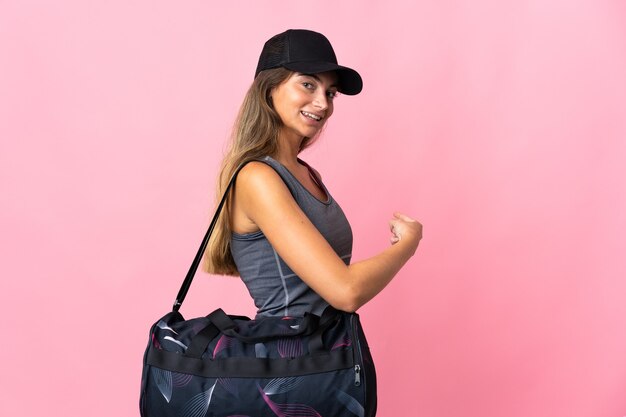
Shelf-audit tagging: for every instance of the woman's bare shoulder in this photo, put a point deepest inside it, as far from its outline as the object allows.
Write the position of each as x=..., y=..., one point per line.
x=257, y=173
x=257, y=182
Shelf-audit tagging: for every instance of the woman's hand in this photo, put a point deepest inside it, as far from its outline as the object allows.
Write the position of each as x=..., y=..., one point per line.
x=405, y=228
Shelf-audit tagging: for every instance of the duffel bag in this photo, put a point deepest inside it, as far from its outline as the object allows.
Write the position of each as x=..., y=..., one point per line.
x=223, y=365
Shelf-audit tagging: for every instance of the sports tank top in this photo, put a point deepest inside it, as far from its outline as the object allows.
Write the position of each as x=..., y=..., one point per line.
x=274, y=287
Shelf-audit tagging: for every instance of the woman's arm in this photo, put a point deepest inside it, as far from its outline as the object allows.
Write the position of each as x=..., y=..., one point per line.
x=265, y=199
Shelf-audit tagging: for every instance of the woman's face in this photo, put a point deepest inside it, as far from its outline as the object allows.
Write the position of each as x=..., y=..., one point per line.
x=304, y=102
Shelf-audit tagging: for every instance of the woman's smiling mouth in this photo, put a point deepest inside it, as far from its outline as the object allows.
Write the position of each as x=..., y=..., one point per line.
x=311, y=115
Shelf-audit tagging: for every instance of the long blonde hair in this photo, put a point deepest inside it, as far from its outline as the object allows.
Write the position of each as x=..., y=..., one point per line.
x=254, y=135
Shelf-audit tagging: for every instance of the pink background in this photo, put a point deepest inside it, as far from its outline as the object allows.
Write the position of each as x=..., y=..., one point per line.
x=500, y=125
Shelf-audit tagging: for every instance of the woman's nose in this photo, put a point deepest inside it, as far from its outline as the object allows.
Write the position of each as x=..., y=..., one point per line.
x=321, y=100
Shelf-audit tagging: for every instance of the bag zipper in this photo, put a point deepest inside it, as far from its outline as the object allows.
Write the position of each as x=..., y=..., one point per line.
x=358, y=356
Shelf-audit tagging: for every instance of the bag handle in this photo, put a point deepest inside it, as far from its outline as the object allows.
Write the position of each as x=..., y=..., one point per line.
x=220, y=323
x=309, y=325
x=182, y=293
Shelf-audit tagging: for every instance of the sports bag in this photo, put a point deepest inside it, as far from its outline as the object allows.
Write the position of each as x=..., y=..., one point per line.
x=231, y=366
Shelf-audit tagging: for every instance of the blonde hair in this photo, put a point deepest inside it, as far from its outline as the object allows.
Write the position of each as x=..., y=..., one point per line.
x=254, y=135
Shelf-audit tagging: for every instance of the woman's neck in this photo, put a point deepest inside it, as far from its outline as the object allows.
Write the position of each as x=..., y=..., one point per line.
x=288, y=150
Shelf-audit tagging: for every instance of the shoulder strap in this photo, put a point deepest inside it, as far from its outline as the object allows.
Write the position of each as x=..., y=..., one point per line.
x=182, y=293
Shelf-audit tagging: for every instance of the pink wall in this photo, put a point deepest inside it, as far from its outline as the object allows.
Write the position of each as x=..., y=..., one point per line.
x=501, y=126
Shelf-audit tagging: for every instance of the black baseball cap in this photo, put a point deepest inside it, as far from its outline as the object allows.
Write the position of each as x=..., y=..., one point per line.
x=308, y=52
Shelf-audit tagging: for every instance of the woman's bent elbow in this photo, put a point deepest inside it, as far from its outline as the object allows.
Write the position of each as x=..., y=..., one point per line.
x=346, y=307
x=349, y=302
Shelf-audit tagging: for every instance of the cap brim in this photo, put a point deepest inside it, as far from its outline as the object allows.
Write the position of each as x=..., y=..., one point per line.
x=350, y=82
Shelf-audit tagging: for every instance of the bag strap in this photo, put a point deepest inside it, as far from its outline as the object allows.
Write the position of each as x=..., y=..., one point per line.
x=182, y=293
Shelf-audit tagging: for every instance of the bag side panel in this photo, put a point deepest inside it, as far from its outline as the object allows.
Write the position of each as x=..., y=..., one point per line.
x=169, y=394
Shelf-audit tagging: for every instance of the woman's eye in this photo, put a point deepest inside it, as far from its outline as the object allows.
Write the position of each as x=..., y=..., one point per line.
x=307, y=85
x=333, y=94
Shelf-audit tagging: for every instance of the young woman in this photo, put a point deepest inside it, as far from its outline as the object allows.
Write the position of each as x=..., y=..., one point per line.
x=281, y=231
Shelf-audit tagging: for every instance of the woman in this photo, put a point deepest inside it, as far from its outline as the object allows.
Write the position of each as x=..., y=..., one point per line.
x=281, y=230
x=291, y=243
